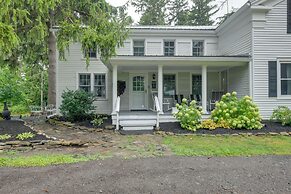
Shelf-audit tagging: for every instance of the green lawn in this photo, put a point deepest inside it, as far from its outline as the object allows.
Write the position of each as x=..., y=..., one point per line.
x=16, y=160
x=229, y=146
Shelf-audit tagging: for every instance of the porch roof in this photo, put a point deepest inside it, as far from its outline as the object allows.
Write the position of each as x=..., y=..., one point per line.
x=141, y=61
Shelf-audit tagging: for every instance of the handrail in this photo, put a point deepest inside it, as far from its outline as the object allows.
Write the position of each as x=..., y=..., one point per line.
x=116, y=110
x=159, y=111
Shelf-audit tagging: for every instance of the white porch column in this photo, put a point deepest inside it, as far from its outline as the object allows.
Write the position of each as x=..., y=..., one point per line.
x=160, y=85
x=114, y=87
x=204, y=89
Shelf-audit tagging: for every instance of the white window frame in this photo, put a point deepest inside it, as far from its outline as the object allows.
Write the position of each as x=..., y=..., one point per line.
x=203, y=53
x=176, y=82
x=92, y=77
x=78, y=80
x=144, y=47
x=175, y=47
x=279, y=79
x=105, y=97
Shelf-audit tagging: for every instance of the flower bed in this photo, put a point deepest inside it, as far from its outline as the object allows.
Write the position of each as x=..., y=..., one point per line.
x=269, y=128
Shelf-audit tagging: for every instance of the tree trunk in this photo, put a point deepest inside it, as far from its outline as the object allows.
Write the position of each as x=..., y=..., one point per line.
x=52, y=68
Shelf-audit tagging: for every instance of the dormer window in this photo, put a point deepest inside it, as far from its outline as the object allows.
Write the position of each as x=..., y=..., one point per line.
x=198, y=48
x=169, y=48
x=92, y=53
x=289, y=17
x=138, y=48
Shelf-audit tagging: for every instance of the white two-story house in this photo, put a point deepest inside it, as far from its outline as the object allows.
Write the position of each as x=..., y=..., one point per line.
x=249, y=53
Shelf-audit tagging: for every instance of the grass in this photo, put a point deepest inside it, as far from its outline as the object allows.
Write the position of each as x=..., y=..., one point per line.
x=229, y=146
x=15, y=160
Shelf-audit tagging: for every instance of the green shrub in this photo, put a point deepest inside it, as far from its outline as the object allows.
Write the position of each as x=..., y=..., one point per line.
x=77, y=105
x=26, y=135
x=239, y=114
x=282, y=114
x=211, y=125
x=189, y=116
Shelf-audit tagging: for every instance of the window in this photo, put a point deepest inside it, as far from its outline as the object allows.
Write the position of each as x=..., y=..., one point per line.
x=198, y=48
x=138, y=84
x=92, y=53
x=138, y=48
x=289, y=16
x=285, y=78
x=100, y=85
x=196, y=84
x=169, y=83
x=85, y=82
x=169, y=48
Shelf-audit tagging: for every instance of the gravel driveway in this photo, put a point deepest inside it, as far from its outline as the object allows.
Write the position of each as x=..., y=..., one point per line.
x=268, y=174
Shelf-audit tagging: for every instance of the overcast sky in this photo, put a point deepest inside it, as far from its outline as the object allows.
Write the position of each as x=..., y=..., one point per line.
x=232, y=4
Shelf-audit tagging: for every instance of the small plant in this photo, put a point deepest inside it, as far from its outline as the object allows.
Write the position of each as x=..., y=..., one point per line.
x=77, y=105
x=97, y=122
x=209, y=124
x=26, y=135
x=282, y=114
x=238, y=114
x=5, y=137
x=189, y=116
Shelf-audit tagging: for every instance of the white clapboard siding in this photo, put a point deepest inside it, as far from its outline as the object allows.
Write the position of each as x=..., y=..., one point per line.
x=184, y=48
x=238, y=80
x=75, y=63
x=154, y=47
x=125, y=49
x=235, y=38
x=270, y=42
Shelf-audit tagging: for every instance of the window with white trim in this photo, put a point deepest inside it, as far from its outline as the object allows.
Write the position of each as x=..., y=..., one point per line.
x=198, y=48
x=100, y=85
x=85, y=82
x=169, y=48
x=285, y=78
x=138, y=48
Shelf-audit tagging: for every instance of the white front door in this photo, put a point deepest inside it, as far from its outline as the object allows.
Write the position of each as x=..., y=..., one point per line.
x=138, y=92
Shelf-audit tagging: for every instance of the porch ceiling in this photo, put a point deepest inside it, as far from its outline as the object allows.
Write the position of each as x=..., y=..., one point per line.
x=154, y=61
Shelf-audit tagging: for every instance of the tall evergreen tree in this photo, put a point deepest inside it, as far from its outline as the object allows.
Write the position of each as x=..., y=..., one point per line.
x=178, y=12
x=26, y=31
x=153, y=11
x=201, y=12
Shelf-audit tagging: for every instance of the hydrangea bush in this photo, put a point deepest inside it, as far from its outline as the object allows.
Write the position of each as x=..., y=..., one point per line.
x=238, y=114
x=189, y=115
x=283, y=115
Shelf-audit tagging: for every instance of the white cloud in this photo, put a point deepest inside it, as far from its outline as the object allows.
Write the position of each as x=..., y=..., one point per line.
x=232, y=4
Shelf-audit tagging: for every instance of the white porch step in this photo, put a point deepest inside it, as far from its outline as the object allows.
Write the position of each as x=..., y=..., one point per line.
x=137, y=122
x=138, y=128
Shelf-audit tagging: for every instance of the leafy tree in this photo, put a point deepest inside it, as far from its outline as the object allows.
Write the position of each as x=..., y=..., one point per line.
x=153, y=11
x=201, y=12
x=27, y=35
x=178, y=12
x=10, y=86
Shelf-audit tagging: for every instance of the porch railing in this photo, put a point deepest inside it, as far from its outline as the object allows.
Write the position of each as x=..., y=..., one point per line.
x=117, y=110
x=159, y=111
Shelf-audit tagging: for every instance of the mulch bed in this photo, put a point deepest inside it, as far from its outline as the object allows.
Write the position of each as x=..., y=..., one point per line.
x=14, y=128
x=268, y=128
x=88, y=123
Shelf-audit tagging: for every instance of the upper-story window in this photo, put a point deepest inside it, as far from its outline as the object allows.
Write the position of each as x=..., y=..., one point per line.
x=138, y=48
x=169, y=48
x=198, y=48
x=92, y=53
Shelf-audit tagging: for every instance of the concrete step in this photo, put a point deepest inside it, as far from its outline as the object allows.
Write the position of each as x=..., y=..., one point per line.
x=138, y=128
x=133, y=123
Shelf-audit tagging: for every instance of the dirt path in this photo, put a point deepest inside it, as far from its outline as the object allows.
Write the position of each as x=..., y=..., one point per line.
x=268, y=174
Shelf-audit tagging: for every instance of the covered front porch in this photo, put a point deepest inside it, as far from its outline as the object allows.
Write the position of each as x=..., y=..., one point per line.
x=138, y=80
